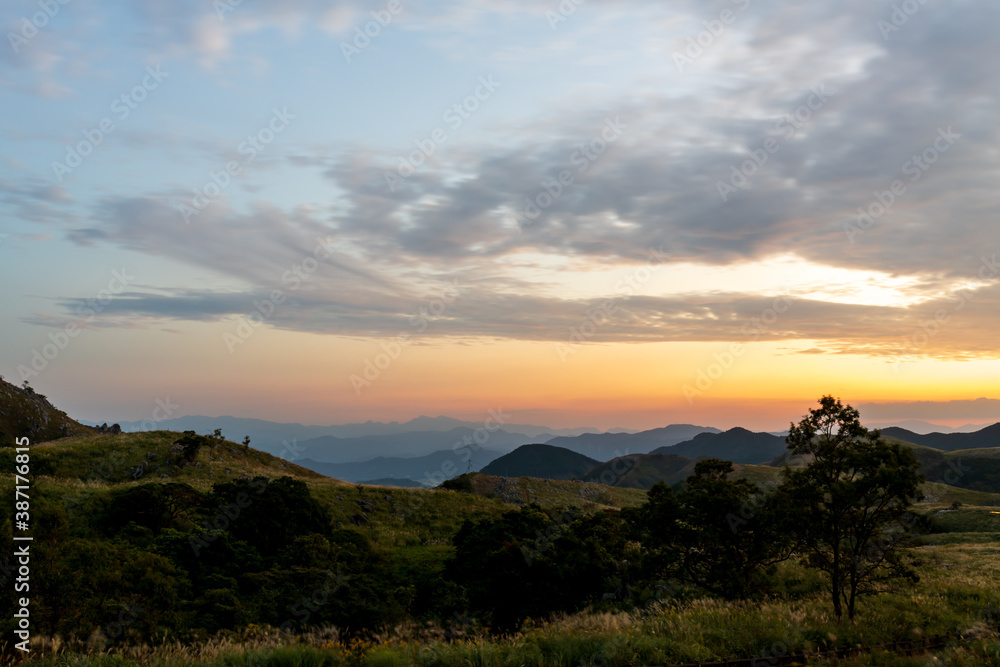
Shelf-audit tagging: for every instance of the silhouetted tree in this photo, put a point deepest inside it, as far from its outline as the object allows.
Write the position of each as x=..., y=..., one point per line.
x=851, y=500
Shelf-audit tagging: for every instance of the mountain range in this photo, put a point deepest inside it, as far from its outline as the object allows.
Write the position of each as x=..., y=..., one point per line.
x=737, y=445
x=986, y=437
x=427, y=450
x=399, y=457
x=429, y=470
x=606, y=446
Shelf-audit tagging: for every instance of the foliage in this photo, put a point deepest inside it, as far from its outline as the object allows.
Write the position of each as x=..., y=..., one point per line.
x=850, y=502
x=554, y=563
x=731, y=532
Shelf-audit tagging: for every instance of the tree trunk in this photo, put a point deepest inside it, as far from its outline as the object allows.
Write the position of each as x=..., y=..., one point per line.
x=854, y=595
x=836, y=585
x=835, y=590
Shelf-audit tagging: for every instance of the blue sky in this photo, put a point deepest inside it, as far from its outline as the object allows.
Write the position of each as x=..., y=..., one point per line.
x=750, y=134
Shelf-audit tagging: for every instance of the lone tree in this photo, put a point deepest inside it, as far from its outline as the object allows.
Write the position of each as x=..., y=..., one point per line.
x=851, y=500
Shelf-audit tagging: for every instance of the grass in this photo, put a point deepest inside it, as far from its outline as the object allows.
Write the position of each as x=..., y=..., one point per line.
x=967, y=520
x=959, y=592
x=959, y=589
x=554, y=493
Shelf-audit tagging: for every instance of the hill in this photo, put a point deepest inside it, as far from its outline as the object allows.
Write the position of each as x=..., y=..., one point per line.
x=543, y=461
x=206, y=535
x=968, y=469
x=737, y=445
x=983, y=438
x=606, y=446
x=641, y=471
x=394, y=481
x=548, y=493
x=26, y=413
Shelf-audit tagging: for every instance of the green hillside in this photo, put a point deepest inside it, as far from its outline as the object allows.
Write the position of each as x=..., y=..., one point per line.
x=548, y=493
x=209, y=538
x=25, y=413
x=641, y=471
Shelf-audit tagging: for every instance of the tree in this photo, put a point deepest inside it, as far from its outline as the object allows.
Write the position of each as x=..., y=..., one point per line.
x=721, y=534
x=655, y=525
x=729, y=532
x=850, y=501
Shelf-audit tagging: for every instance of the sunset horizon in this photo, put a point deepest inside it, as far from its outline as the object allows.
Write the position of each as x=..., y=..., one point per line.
x=362, y=213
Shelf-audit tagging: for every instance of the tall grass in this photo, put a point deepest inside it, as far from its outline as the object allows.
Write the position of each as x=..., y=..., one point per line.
x=959, y=592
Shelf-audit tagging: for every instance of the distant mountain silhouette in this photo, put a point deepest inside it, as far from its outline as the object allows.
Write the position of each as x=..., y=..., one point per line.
x=948, y=442
x=431, y=469
x=920, y=426
x=606, y=446
x=543, y=461
x=737, y=445
x=274, y=437
x=418, y=443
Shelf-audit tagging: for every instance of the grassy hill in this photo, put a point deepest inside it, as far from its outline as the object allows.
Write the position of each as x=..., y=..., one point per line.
x=544, y=461
x=550, y=493
x=25, y=413
x=641, y=471
x=114, y=517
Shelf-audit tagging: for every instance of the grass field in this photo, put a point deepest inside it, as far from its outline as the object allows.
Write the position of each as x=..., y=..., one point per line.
x=958, y=592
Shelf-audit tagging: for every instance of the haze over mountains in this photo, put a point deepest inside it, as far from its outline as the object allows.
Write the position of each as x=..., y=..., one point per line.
x=428, y=450
x=441, y=448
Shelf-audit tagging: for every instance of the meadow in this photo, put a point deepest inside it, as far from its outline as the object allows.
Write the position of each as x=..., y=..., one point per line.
x=410, y=533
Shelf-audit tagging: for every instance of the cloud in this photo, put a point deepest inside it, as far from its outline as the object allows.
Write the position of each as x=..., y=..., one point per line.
x=849, y=111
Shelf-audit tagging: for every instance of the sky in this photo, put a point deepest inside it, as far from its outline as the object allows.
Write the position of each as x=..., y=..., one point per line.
x=613, y=214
